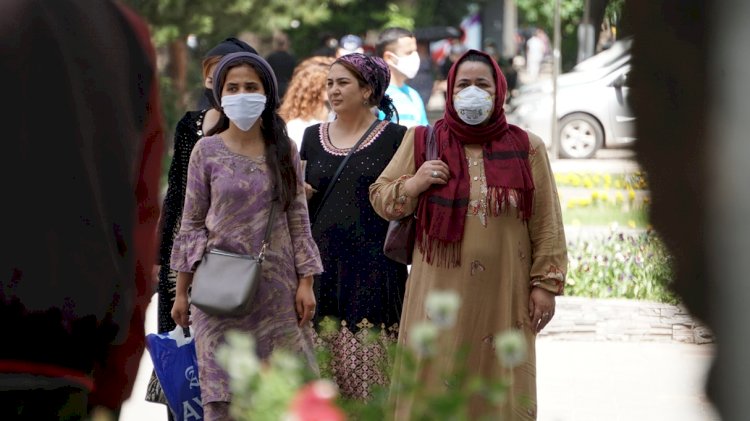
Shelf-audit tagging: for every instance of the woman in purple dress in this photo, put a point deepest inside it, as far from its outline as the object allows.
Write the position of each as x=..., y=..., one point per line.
x=235, y=173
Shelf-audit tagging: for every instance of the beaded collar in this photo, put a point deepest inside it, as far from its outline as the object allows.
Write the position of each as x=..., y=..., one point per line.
x=325, y=140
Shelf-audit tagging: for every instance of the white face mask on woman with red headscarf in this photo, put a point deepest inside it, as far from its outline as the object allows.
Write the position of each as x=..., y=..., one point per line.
x=473, y=105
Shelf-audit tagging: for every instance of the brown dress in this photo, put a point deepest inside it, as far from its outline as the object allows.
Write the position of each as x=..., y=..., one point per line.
x=502, y=259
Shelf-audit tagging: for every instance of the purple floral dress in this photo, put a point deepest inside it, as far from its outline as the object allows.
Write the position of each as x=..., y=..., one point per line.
x=227, y=204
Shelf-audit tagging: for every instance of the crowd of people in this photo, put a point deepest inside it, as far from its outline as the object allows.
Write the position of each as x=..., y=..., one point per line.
x=336, y=144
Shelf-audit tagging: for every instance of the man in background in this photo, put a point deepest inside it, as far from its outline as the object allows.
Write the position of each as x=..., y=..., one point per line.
x=82, y=163
x=398, y=47
x=282, y=61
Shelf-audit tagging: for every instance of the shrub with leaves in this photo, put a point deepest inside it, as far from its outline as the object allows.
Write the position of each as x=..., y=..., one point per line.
x=620, y=265
x=282, y=389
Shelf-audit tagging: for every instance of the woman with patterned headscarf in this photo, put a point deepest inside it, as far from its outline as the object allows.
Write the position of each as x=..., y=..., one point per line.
x=361, y=289
x=244, y=164
x=488, y=228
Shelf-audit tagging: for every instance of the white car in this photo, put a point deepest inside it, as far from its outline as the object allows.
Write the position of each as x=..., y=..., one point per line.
x=592, y=105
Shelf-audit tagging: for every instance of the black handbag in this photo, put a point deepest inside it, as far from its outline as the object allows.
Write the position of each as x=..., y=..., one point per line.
x=399, y=240
x=225, y=283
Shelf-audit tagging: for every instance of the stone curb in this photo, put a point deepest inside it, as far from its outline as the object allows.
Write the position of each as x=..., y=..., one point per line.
x=589, y=319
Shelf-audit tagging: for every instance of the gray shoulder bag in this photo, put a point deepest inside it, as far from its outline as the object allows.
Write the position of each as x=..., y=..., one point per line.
x=224, y=283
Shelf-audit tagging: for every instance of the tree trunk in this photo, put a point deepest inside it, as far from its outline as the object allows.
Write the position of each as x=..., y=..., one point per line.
x=177, y=70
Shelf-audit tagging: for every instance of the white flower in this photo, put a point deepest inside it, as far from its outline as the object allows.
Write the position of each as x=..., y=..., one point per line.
x=325, y=389
x=511, y=348
x=422, y=338
x=442, y=307
x=285, y=362
x=237, y=356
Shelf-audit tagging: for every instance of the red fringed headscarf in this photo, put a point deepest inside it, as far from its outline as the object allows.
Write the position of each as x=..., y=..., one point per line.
x=442, y=209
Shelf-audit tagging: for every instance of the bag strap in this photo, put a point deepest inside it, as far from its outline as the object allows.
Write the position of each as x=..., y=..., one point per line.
x=269, y=228
x=431, y=148
x=341, y=168
x=430, y=152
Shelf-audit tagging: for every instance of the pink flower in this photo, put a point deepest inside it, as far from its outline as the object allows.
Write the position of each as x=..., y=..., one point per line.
x=315, y=402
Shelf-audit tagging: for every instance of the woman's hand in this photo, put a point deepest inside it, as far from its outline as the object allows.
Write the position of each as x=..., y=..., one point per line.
x=181, y=307
x=305, y=300
x=541, y=307
x=431, y=172
x=309, y=191
x=179, y=312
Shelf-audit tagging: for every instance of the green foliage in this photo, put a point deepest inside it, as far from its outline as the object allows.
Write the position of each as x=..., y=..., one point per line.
x=217, y=19
x=620, y=265
x=541, y=13
x=271, y=390
x=613, y=12
x=355, y=17
x=604, y=216
x=590, y=199
x=441, y=12
x=359, y=17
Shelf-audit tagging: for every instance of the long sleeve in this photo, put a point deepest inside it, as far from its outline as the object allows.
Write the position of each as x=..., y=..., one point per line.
x=190, y=243
x=546, y=229
x=306, y=254
x=184, y=141
x=387, y=194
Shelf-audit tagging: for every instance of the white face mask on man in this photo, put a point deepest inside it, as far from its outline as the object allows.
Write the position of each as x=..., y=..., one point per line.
x=473, y=105
x=408, y=65
x=243, y=109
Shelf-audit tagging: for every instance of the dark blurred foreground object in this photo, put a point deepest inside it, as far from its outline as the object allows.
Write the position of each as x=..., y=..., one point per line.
x=690, y=93
x=83, y=145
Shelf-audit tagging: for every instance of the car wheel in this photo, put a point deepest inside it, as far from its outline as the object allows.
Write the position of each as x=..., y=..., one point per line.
x=580, y=136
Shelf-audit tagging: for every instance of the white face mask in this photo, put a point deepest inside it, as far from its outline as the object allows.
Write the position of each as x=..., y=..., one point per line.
x=473, y=105
x=408, y=65
x=243, y=109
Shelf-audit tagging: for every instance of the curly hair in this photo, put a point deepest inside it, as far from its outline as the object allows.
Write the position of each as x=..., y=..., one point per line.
x=306, y=91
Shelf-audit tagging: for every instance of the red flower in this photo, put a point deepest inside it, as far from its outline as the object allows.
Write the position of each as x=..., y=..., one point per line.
x=315, y=402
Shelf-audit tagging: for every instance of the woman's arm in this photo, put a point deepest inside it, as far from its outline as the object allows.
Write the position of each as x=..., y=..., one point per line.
x=546, y=229
x=179, y=311
x=388, y=194
x=305, y=300
x=547, y=235
x=306, y=255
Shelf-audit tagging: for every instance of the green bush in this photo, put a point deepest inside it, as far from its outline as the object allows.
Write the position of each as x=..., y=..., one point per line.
x=620, y=265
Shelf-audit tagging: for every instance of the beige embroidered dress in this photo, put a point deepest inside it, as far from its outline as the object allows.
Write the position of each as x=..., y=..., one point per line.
x=501, y=259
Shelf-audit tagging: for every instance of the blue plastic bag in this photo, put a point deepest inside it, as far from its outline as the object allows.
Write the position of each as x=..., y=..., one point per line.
x=176, y=367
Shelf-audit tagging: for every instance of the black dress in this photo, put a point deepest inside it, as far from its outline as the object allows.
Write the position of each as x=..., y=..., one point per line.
x=187, y=133
x=360, y=287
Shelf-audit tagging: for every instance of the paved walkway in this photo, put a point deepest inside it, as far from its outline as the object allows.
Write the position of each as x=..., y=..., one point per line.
x=622, y=381
x=599, y=360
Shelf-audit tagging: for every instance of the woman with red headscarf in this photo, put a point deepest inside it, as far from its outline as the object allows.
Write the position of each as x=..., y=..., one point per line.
x=489, y=228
